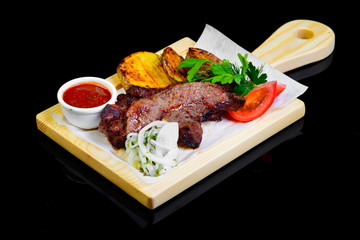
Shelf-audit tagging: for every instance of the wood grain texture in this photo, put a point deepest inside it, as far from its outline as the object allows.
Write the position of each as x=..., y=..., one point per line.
x=296, y=44
x=206, y=162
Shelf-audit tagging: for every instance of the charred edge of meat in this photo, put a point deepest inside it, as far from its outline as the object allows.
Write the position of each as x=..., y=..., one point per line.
x=190, y=134
x=116, y=135
x=141, y=92
x=211, y=116
x=112, y=122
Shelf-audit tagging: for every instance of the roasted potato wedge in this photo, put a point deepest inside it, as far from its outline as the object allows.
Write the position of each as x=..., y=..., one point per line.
x=199, y=54
x=143, y=69
x=170, y=63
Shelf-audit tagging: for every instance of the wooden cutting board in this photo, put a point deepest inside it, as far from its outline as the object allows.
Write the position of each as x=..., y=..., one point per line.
x=293, y=45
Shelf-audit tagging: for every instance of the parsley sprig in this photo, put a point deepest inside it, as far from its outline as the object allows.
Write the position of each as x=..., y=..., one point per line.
x=246, y=76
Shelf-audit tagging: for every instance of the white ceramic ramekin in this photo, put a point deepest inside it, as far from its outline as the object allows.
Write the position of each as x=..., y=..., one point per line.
x=87, y=118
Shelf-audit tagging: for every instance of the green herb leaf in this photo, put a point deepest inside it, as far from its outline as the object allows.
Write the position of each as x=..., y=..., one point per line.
x=195, y=69
x=190, y=62
x=195, y=65
x=243, y=89
x=255, y=74
x=237, y=78
x=246, y=76
x=223, y=79
x=245, y=64
x=218, y=69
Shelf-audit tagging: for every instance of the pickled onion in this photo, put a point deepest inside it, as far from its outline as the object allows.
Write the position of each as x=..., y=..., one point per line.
x=154, y=149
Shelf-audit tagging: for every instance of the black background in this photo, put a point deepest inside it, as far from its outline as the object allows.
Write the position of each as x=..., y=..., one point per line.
x=304, y=186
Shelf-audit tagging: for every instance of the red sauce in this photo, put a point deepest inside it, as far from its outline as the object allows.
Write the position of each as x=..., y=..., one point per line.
x=86, y=95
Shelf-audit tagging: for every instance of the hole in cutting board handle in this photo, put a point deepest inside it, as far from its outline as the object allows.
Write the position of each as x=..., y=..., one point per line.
x=304, y=33
x=297, y=43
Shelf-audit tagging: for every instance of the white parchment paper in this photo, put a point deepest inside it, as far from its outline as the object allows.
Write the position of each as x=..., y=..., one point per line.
x=217, y=43
x=224, y=48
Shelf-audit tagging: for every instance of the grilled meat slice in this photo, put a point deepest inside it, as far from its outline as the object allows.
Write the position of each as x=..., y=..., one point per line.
x=116, y=134
x=190, y=134
x=186, y=104
x=113, y=117
x=190, y=130
x=112, y=122
x=112, y=125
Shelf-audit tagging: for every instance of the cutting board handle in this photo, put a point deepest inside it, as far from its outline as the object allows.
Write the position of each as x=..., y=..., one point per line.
x=296, y=44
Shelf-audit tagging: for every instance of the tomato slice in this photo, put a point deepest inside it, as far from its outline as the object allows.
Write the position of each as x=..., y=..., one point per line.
x=279, y=89
x=258, y=101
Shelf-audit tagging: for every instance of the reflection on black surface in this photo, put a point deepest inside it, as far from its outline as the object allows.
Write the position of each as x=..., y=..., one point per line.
x=310, y=69
x=81, y=173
